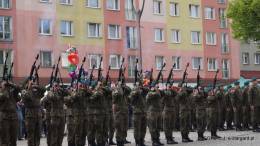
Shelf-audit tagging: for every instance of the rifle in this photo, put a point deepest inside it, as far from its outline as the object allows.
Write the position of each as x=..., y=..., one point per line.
x=121, y=69
x=198, y=78
x=123, y=76
x=151, y=78
x=33, y=67
x=52, y=75
x=57, y=70
x=10, y=77
x=5, y=67
x=136, y=70
x=99, y=70
x=160, y=73
x=107, y=77
x=91, y=76
x=215, y=81
x=36, y=75
x=170, y=75
x=81, y=69
x=185, y=74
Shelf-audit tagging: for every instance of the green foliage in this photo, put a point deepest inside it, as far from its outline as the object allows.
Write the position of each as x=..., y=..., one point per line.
x=245, y=19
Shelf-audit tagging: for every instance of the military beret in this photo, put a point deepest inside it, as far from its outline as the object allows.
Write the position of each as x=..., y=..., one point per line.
x=153, y=84
x=188, y=86
x=243, y=87
x=94, y=83
x=57, y=80
x=208, y=89
x=220, y=85
x=68, y=87
x=210, y=85
x=176, y=90
x=48, y=88
x=116, y=82
x=229, y=86
x=134, y=84
x=171, y=82
x=26, y=80
x=195, y=87
x=237, y=83
x=180, y=84
x=253, y=79
x=1, y=80
x=217, y=89
x=246, y=83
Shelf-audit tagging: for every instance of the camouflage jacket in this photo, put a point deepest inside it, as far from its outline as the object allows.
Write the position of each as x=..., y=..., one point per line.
x=222, y=101
x=47, y=106
x=57, y=101
x=120, y=99
x=137, y=98
x=9, y=98
x=70, y=104
x=169, y=100
x=99, y=99
x=228, y=96
x=153, y=100
x=109, y=102
x=236, y=99
x=213, y=101
x=254, y=96
x=192, y=104
x=199, y=100
x=81, y=98
x=184, y=99
x=31, y=99
x=245, y=100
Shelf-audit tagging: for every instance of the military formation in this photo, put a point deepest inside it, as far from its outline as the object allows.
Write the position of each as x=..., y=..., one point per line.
x=94, y=110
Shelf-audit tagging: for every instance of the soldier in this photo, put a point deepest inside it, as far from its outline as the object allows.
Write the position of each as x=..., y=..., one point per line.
x=229, y=112
x=254, y=101
x=121, y=117
x=177, y=114
x=246, y=106
x=31, y=98
x=222, y=105
x=110, y=119
x=201, y=113
x=56, y=96
x=47, y=106
x=168, y=112
x=9, y=118
x=154, y=113
x=213, y=110
x=237, y=106
x=192, y=111
x=140, y=112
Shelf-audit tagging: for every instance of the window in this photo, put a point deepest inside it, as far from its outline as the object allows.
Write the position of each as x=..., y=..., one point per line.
x=222, y=22
x=93, y=3
x=194, y=11
x=45, y=27
x=114, y=31
x=46, y=59
x=224, y=43
x=225, y=69
x=66, y=2
x=159, y=62
x=129, y=13
x=212, y=64
x=115, y=61
x=195, y=37
x=5, y=4
x=157, y=7
x=158, y=35
x=174, y=9
x=209, y=13
x=94, y=30
x=8, y=61
x=196, y=62
x=47, y=1
x=177, y=61
x=211, y=38
x=245, y=57
x=5, y=27
x=131, y=37
x=222, y=1
x=113, y=4
x=94, y=59
x=131, y=66
x=175, y=34
x=257, y=57
x=66, y=28
x=65, y=61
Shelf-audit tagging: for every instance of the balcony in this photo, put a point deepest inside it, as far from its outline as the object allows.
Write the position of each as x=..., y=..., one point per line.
x=225, y=74
x=223, y=23
x=224, y=49
x=6, y=36
x=132, y=44
x=130, y=15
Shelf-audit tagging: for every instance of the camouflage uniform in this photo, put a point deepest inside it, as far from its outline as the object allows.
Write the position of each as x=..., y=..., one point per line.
x=177, y=114
x=236, y=100
x=80, y=98
x=201, y=113
x=213, y=106
x=230, y=114
x=31, y=99
x=247, y=111
x=110, y=119
x=222, y=105
x=192, y=113
x=91, y=130
x=121, y=113
x=57, y=115
x=140, y=112
x=254, y=100
x=9, y=117
x=47, y=106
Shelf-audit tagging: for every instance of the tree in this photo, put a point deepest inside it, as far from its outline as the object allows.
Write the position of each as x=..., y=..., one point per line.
x=245, y=19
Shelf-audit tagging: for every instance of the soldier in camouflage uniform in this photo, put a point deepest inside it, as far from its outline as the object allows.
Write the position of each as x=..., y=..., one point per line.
x=222, y=105
x=56, y=96
x=236, y=100
x=91, y=130
x=31, y=99
x=229, y=112
x=110, y=118
x=137, y=98
x=121, y=115
x=246, y=107
x=254, y=101
x=168, y=112
x=177, y=114
x=9, y=118
x=47, y=106
x=185, y=108
x=192, y=112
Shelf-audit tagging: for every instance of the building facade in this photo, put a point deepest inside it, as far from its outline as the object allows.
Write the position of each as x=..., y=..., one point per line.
x=172, y=31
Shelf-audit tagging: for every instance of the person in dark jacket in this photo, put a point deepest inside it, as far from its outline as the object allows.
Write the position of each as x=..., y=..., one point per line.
x=130, y=108
x=20, y=117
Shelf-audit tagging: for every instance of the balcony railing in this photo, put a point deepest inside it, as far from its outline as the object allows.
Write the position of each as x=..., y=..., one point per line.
x=225, y=74
x=130, y=15
x=6, y=36
x=224, y=49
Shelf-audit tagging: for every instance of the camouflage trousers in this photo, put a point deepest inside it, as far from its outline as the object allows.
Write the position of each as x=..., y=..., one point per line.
x=192, y=117
x=213, y=118
x=34, y=130
x=48, y=130
x=100, y=121
x=247, y=115
x=9, y=132
x=140, y=124
x=222, y=116
x=238, y=116
x=230, y=116
x=57, y=130
x=201, y=115
x=121, y=125
x=185, y=119
x=168, y=122
x=81, y=124
x=154, y=122
x=110, y=123
x=71, y=129
x=255, y=115
x=177, y=115
x=91, y=130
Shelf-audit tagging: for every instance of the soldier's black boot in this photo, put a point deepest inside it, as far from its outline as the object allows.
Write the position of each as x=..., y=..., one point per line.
x=179, y=126
x=94, y=142
x=175, y=128
x=111, y=142
x=195, y=127
x=158, y=141
x=247, y=125
x=208, y=127
x=175, y=142
x=127, y=141
x=118, y=143
x=202, y=134
x=184, y=138
x=255, y=129
x=229, y=127
x=200, y=137
x=238, y=128
x=220, y=128
x=191, y=130
x=215, y=132
x=142, y=142
x=90, y=143
x=137, y=143
x=187, y=137
x=169, y=140
x=155, y=142
x=213, y=136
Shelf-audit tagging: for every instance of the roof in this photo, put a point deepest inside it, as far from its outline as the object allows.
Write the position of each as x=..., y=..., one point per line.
x=250, y=74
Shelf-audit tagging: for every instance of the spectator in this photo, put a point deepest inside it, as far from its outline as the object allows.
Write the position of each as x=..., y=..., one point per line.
x=43, y=119
x=65, y=111
x=130, y=108
x=24, y=125
x=20, y=117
